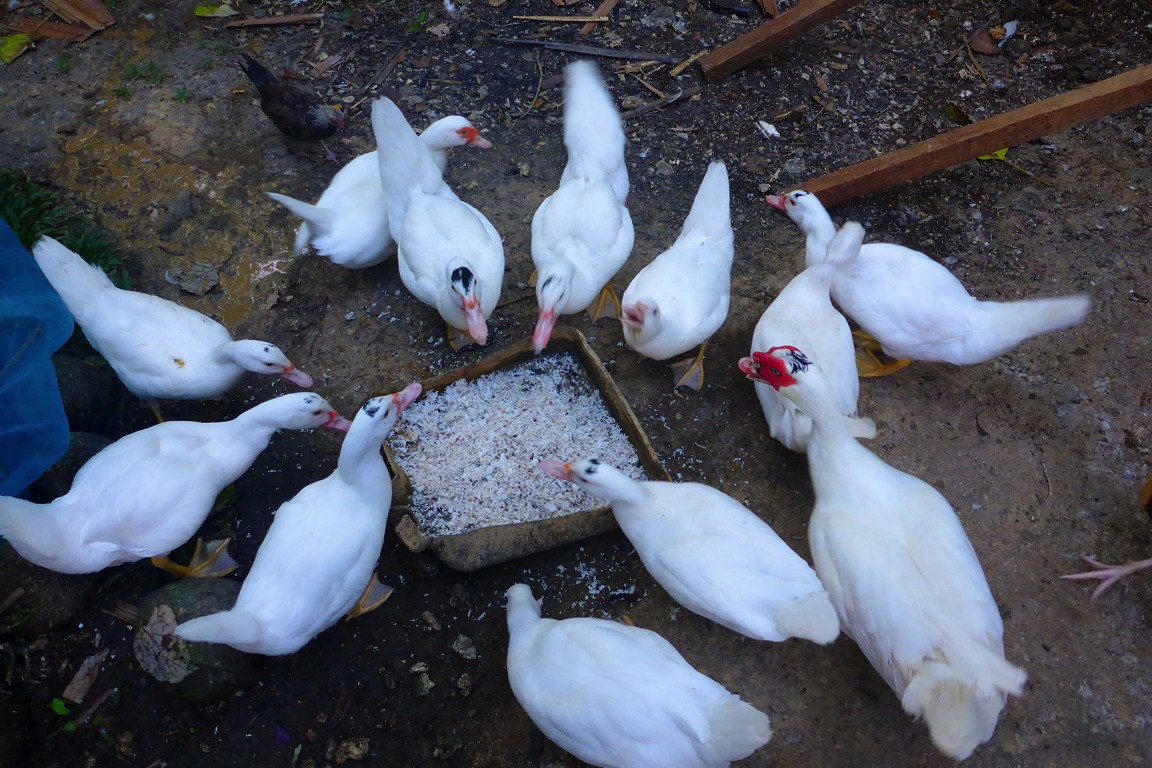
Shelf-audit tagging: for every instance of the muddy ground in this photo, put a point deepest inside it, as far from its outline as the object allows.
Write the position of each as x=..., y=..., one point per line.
x=1042, y=451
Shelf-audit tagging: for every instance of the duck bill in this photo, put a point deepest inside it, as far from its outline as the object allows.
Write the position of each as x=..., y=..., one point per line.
x=544, y=325
x=750, y=368
x=480, y=142
x=776, y=201
x=474, y=319
x=296, y=376
x=557, y=469
x=336, y=422
x=632, y=316
x=407, y=396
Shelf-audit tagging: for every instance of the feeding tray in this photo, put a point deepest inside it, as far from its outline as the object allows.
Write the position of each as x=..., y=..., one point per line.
x=492, y=544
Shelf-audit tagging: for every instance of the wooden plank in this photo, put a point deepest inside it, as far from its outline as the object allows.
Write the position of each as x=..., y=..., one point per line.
x=986, y=136
x=771, y=35
x=38, y=28
x=588, y=50
x=92, y=13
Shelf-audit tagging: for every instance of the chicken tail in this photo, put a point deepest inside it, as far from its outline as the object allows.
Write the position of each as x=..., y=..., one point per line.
x=239, y=629
x=961, y=713
x=737, y=729
x=260, y=76
x=317, y=221
x=78, y=282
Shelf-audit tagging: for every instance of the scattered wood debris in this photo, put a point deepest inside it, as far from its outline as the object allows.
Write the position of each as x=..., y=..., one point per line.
x=270, y=21
x=38, y=28
x=604, y=9
x=588, y=50
x=85, y=676
x=91, y=13
x=563, y=19
x=685, y=93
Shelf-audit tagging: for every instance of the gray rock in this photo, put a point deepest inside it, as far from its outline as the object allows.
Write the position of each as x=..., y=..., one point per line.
x=90, y=391
x=465, y=647
x=57, y=480
x=794, y=166
x=661, y=16
x=198, y=672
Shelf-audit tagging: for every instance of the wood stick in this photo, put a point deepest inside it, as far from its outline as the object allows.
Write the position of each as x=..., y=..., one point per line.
x=561, y=19
x=676, y=70
x=272, y=21
x=661, y=103
x=980, y=138
x=604, y=9
x=771, y=35
x=588, y=50
x=769, y=7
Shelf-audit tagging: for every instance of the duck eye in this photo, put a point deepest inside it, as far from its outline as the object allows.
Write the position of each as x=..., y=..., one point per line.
x=776, y=371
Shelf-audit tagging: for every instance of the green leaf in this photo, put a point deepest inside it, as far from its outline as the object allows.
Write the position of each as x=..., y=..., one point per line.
x=12, y=46
x=1000, y=154
x=60, y=707
x=221, y=11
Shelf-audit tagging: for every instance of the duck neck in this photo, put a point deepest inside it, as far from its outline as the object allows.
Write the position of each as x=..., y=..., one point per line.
x=361, y=462
x=257, y=424
x=820, y=229
x=832, y=447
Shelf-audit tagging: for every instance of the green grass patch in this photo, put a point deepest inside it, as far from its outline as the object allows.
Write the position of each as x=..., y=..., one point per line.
x=34, y=211
x=149, y=72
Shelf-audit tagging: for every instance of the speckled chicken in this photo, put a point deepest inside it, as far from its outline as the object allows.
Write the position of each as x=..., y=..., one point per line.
x=295, y=111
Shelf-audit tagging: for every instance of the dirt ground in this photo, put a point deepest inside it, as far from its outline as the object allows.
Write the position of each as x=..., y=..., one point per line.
x=1042, y=452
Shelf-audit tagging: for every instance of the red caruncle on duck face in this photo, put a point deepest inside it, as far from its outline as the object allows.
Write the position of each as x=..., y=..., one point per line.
x=775, y=367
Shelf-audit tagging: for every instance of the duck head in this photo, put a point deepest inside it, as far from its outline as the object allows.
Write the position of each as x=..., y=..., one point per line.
x=777, y=367
x=264, y=357
x=465, y=290
x=801, y=206
x=454, y=131
x=384, y=410
x=307, y=410
x=551, y=293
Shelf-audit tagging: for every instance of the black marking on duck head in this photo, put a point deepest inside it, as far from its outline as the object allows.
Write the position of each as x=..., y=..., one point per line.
x=371, y=408
x=592, y=468
x=464, y=278
x=797, y=360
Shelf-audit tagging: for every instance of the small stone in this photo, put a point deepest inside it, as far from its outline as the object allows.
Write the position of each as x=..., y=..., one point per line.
x=465, y=647
x=664, y=169
x=464, y=683
x=458, y=596
x=794, y=166
x=423, y=685
x=430, y=620
x=419, y=667
x=350, y=316
x=352, y=750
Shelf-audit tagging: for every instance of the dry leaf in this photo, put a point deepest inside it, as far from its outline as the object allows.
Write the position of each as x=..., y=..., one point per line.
x=12, y=46
x=440, y=31
x=158, y=650
x=84, y=677
x=983, y=43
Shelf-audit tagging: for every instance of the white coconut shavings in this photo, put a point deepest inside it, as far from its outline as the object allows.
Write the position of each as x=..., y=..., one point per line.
x=472, y=451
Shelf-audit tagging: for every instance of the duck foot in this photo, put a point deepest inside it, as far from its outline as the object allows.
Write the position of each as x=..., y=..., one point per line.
x=458, y=339
x=155, y=406
x=210, y=560
x=607, y=304
x=532, y=280
x=375, y=595
x=1108, y=574
x=690, y=372
x=868, y=364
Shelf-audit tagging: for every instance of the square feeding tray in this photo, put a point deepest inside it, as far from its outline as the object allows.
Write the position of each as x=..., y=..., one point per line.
x=465, y=456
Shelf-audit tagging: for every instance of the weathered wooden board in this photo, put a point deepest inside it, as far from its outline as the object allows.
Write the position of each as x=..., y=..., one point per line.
x=986, y=136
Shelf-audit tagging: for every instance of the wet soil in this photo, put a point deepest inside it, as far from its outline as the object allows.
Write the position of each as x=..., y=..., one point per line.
x=1042, y=451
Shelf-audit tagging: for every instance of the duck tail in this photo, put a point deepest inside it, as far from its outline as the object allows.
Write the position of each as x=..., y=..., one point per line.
x=737, y=729
x=402, y=164
x=811, y=617
x=78, y=282
x=239, y=629
x=844, y=247
x=593, y=133
x=711, y=213
x=862, y=427
x=961, y=713
x=317, y=221
x=1011, y=322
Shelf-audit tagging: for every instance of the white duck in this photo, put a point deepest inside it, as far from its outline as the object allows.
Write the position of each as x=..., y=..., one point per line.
x=914, y=307
x=316, y=562
x=712, y=554
x=582, y=234
x=158, y=348
x=349, y=223
x=450, y=256
x=803, y=315
x=149, y=492
x=681, y=298
x=617, y=696
x=902, y=574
